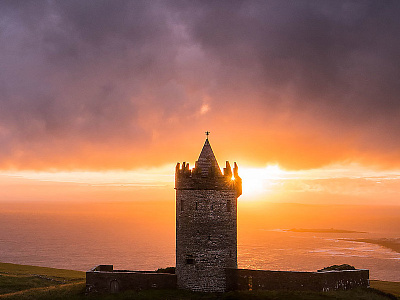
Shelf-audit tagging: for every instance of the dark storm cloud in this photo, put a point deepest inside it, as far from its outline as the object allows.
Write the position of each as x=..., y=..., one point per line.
x=71, y=70
x=339, y=59
x=91, y=74
x=326, y=51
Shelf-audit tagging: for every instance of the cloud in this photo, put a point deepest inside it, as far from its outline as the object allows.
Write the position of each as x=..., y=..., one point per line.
x=123, y=84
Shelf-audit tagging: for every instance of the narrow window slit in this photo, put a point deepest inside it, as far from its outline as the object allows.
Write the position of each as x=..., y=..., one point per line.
x=189, y=259
x=228, y=205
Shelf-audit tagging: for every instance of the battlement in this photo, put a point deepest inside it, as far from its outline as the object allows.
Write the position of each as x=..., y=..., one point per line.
x=210, y=179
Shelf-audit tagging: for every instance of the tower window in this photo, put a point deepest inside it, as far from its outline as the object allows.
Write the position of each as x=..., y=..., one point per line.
x=189, y=259
x=228, y=205
x=212, y=207
x=182, y=205
x=196, y=205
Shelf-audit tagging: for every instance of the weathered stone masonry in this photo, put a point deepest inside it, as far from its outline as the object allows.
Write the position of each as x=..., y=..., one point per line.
x=242, y=279
x=206, y=223
x=104, y=278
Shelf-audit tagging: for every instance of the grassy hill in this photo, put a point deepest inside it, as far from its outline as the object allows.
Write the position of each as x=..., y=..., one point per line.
x=387, y=287
x=14, y=269
x=29, y=282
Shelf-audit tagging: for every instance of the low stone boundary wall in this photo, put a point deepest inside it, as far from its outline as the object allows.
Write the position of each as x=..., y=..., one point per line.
x=104, y=279
x=243, y=279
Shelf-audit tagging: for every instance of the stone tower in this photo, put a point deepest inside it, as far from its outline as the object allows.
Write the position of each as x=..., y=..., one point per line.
x=206, y=222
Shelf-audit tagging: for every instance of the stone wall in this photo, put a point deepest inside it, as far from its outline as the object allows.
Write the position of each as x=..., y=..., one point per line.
x=242, y=279
x=104, y=279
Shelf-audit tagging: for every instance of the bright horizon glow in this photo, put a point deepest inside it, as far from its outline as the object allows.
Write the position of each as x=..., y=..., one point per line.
x=258, y=181
x=156, y=176
x=349, y=183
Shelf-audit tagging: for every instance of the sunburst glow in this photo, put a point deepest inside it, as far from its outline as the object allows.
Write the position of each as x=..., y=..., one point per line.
x=260, y=180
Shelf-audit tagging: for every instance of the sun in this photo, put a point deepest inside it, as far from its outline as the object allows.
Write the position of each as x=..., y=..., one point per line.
x=258, y=181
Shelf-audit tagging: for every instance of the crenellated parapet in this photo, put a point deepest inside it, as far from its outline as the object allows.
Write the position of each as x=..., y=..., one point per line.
x=211, y=179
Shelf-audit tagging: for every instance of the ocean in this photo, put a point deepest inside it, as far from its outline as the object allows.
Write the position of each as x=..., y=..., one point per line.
x=141, y=236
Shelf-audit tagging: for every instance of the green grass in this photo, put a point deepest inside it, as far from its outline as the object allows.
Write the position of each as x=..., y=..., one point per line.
x=10, y=284
x=67, y=275
x=76, y=292
x=28, y=282
x=366, y=294
x=386, y=286
x=72, y=291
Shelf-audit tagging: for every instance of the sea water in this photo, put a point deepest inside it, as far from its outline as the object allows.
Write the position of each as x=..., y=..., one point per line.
x=141, y=236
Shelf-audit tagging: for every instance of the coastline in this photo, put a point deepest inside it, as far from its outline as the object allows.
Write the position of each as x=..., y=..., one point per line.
x=391, y=243
x=329, y=230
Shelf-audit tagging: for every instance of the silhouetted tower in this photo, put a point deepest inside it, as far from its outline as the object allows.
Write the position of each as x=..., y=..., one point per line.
x=206, y=222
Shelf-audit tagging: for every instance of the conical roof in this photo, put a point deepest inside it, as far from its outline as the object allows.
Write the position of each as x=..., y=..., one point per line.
x=207, y=159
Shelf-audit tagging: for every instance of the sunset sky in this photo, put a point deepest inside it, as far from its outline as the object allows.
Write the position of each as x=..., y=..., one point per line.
x=100, y=99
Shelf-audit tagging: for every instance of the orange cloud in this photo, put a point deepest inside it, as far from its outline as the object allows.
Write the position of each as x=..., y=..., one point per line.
x=132, y=84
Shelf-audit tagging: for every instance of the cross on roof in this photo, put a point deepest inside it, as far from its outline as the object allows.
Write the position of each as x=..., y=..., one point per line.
x=207, y=134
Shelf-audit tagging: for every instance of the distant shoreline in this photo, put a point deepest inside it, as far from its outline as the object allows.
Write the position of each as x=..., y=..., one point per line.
x=327, y=230
x=392, y=244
